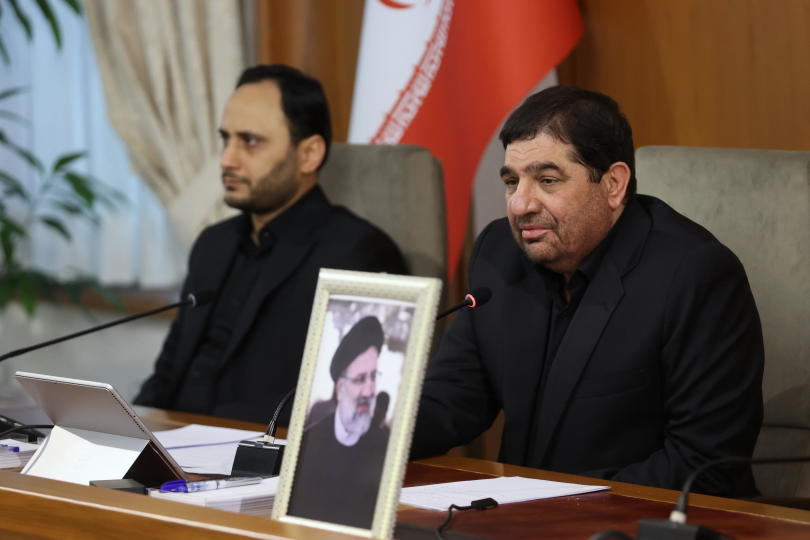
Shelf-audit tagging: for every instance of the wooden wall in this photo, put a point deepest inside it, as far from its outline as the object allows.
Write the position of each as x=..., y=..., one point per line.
x=322, y=38
x=729, y=73
x=732, y=73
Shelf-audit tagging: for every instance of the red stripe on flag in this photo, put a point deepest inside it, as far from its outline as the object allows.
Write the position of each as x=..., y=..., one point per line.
x=496, y=52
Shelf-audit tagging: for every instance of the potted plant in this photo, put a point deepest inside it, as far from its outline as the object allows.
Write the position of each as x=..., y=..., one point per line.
x=62, y=194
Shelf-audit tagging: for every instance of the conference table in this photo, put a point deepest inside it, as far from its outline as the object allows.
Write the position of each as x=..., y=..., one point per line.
x=32, y=507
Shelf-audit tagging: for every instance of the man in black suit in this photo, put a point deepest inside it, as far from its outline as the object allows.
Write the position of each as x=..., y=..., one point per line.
x=341, y=459
x=238, y=356
x=622, y=340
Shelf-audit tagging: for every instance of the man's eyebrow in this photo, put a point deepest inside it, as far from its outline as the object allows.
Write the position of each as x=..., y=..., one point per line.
x=245, y=134
x=541, y=166
x=534, y=167
x=506, y=171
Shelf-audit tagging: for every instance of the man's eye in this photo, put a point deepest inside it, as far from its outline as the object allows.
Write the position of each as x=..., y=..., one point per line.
x=548, y=180
x=509, y=181
x=251, y=141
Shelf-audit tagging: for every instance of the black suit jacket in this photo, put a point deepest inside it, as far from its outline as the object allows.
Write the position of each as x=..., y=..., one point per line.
x=263, y=358
x=659, y=371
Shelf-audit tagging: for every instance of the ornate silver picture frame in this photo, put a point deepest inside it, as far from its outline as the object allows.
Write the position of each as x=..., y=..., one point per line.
x=356, y=401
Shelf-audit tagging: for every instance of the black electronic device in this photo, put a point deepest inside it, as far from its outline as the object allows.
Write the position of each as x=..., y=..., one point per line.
x=263, y=457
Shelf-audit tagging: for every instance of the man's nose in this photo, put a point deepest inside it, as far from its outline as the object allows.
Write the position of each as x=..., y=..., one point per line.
x=523, y=200
x=229, y=159
x=368, y=387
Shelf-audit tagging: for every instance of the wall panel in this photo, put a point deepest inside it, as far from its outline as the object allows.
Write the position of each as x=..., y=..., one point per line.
x=730, y=73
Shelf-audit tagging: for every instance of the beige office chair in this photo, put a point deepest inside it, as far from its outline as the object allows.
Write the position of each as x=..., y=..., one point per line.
x=400, y=189
x=757, y=202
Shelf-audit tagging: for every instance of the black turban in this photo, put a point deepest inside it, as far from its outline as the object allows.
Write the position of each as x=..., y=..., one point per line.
x=367, y=332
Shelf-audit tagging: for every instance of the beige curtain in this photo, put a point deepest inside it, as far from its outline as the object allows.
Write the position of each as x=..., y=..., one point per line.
x=167, y=67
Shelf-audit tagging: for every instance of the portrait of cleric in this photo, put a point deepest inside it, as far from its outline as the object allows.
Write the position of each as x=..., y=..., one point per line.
x=350, y=410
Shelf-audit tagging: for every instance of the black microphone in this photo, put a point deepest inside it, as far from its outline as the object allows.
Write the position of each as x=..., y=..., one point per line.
x=383, y=400
x=476, y=297
x=676, y=527
x=194, y=300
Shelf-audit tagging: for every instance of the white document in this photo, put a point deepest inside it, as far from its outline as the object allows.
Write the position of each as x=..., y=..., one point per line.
x=79, y=456
x=199, y=435
x=205, y=449
x=212, y=459
x=507, y=489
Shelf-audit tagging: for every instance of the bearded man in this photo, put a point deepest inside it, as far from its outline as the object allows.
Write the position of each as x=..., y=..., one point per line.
x=342, y=455
x=239, y=355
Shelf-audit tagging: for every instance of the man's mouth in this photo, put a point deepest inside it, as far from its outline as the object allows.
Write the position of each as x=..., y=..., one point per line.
x=231, y=181
x=363, y=405
x=532, y=232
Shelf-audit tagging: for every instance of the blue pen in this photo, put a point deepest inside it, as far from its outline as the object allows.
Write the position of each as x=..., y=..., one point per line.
x=181, y=486
x=7, y=448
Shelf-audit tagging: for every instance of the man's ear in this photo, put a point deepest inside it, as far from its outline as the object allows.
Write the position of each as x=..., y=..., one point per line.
x=311, y=152
x=615, y=182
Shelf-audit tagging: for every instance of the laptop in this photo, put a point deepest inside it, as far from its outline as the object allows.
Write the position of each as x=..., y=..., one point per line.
x=97, y=408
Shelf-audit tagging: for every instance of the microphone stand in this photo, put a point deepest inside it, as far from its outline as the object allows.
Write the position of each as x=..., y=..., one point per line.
x=190, y=299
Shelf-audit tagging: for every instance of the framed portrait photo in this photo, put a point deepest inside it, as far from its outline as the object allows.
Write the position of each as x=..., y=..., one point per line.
x=356, y=401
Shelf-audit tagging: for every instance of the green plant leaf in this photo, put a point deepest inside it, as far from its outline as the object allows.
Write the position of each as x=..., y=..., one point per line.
x=75, y=5
x=22, y=152
x=13, y=187
x=7, y=288
x=81, y=186
x=4, y=52
x=10, y=225
x=22, y=18
x=56, y=224
x=28, y=289
x=14, y=117
x=7, y=245
x=69, y=207
x=8, y=92
x=67, y=201
x=53, y=22
x=66, y=159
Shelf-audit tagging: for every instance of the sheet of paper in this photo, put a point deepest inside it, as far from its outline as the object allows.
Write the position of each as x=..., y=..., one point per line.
x=205, y=449
x=199, y=435
x=79, y=456
x=211, y=459
x=507, y=489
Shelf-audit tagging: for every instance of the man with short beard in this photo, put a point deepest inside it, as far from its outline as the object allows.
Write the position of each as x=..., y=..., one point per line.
x=341, y=457
x=621, y=341
x=239, y=355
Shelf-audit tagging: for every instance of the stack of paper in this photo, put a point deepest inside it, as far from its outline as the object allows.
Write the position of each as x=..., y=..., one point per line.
x=255, y=499
x=15, y=454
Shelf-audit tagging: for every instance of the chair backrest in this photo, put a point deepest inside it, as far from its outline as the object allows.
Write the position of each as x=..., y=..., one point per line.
x=400, y=189
x=757, y=202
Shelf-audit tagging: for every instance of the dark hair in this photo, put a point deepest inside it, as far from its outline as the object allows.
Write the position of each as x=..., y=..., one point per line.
x=589, y=121
x=302, y=100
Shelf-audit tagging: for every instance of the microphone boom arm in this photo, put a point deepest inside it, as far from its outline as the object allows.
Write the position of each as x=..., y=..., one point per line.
x=190, y=299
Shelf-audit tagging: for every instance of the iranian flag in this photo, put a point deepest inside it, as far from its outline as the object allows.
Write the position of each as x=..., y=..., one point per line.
x=444, y=74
